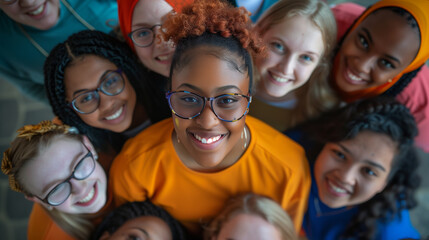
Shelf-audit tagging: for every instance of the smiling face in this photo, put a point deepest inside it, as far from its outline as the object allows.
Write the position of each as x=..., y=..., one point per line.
x=55, y=164
x=157, y=56
x=115, y=113
x=40, y=14
x=380, y=48
x=147, y=227
x=351, y=172
x=295, y=47
x=249, y=227
x=206, y=142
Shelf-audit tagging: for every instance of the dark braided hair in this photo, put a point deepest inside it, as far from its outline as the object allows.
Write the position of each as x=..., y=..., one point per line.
x=100, y=44
x=406, y=78
x=386, y=116
x=131, y=210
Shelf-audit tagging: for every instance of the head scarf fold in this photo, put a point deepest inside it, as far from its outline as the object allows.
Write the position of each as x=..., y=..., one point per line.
x=419, y=9
x=126, y=10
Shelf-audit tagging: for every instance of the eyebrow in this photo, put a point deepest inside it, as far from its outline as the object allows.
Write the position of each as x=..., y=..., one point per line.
x=99, y=81
x=368, y=161
x=218, y=90
x=142, y=230
x=369, y=36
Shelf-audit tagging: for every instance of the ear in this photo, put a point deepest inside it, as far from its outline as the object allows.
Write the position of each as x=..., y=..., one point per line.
x=104, y=236
x=36, y=200
x=89, y=145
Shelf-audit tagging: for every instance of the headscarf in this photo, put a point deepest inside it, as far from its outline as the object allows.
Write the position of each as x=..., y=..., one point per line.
x=419, y=9
x=126, y=10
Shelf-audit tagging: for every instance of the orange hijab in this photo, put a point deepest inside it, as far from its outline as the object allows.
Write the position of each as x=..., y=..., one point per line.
x=126, y=10
x=419, y=9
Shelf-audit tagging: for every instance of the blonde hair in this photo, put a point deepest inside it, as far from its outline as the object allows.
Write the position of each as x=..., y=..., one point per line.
x=29, y=143
x=315, y=96
x=257, y=205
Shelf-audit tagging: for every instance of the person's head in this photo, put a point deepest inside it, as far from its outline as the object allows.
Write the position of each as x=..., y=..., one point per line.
x=211, y=60
x=92, y=80
x=300, y=36
x=139, y=220
x=249, y=217
x=368, y=146
x=56, y=167
x=382, y=50
x=140, y=22
x=42, y=15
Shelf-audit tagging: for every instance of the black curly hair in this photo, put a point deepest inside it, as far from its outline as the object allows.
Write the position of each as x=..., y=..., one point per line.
x=386, y=116
x=149, y=92
x=131, y=210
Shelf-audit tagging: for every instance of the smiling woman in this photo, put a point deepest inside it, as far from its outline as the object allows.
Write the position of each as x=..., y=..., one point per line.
x=56, y=167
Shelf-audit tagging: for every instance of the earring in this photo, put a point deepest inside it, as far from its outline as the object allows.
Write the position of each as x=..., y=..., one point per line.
x=178, y=140
x=96, y=157
x=390, y=80
x=245, y=138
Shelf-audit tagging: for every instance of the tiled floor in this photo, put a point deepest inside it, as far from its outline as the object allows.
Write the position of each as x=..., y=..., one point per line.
x=17, y=110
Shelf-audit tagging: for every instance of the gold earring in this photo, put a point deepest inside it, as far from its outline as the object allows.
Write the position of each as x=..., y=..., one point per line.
x=390, y=80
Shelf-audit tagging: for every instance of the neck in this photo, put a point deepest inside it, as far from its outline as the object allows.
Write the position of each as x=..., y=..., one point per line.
x=139, y=116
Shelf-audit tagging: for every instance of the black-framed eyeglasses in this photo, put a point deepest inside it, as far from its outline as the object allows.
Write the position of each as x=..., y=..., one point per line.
x=112, y=84
x=60, y=193
x=143, y=37
x=229, y=107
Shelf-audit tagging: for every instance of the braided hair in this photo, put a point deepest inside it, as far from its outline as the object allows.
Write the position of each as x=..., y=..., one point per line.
x=385, y=116
x=131, y=210
x=216, y=24
x=100, y=44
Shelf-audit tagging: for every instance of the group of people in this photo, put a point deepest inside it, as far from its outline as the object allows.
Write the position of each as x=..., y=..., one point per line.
x=195, y=119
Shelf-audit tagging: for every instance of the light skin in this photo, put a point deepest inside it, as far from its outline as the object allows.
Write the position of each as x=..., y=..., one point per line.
x=295, y=47
x=115, y=113
x=248, y=226
x=143, y=228
x=380, y=48
x=351, y=172
x=157, y=56
x=40, y=14
x=209, y=76
x=55, y=164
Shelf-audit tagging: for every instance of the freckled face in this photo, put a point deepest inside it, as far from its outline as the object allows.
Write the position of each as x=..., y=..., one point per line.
x=40, y=14
x=380, y=48
x=248, y=227
x=208, y=76
x=351, y=172
x=157, y=56
x=115, y=113
x=295, y=47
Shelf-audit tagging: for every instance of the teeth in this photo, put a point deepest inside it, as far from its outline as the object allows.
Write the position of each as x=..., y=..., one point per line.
x=353, y=77
x=88, y=197
x=116, y=114
x=279, y=79
x=336, y=189
x=38, y=11
x=163, y=58
x=207, y=141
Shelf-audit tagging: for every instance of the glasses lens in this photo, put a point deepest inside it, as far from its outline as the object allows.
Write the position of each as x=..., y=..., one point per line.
x=186, y=104
x=85, y=167
x=113, y=84
x=59, y=194
x=143, y=37
x=87, y=102
x=230, y=107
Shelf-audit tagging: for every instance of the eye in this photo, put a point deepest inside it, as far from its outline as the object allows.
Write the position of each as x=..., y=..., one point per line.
x=86, y=98
x=306, y=58
x=227, y=101
x=387, y=64
x=190, y=100
x=368, y=171
x=277, y=47
x=143, y=33
x=339, y=155
x=133, y=237
x=111, y=81
x=363, y=41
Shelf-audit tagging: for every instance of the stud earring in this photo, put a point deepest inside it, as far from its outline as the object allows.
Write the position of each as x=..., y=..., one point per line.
x=390, y=80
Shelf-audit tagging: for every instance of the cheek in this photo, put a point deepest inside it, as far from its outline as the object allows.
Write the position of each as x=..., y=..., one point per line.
x=144, y=54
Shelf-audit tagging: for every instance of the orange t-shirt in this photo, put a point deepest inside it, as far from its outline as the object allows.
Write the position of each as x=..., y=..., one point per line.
x=148, y=167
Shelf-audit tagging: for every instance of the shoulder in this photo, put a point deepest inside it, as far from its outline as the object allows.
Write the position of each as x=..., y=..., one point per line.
x=41, y=226
x=398, y=228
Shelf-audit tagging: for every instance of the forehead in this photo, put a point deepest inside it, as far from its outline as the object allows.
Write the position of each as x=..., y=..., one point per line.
x=209, y=72
x=298, y=30
x=150, y=12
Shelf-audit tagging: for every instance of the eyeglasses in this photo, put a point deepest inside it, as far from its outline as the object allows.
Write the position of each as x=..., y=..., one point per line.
x=62, y=191
x=228, y=107
x=143, y=37
x=7, y=2
x=111, y=84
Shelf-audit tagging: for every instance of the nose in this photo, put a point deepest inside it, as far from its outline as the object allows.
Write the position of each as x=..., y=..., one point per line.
x=78, y=186
x=207, y=119
x=26, y=3
x=286, y=65
x=105, y=101
x=366, y=63
x=347, y=175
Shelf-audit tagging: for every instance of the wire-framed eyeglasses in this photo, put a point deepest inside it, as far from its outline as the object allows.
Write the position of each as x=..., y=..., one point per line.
x=143, y=37
x=229, y=107
x=60, y=193
x=112, y=84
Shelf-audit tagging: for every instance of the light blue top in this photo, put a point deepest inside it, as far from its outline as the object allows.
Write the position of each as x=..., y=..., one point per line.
x=251, y=6
x=22, y=64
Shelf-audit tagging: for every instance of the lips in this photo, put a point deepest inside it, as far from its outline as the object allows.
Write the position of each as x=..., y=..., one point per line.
x=337, y=189
x=116, y=114
x=278, y=80
x=206, y=141
x=164, y=58
x=38, y=12
x=89, y=198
